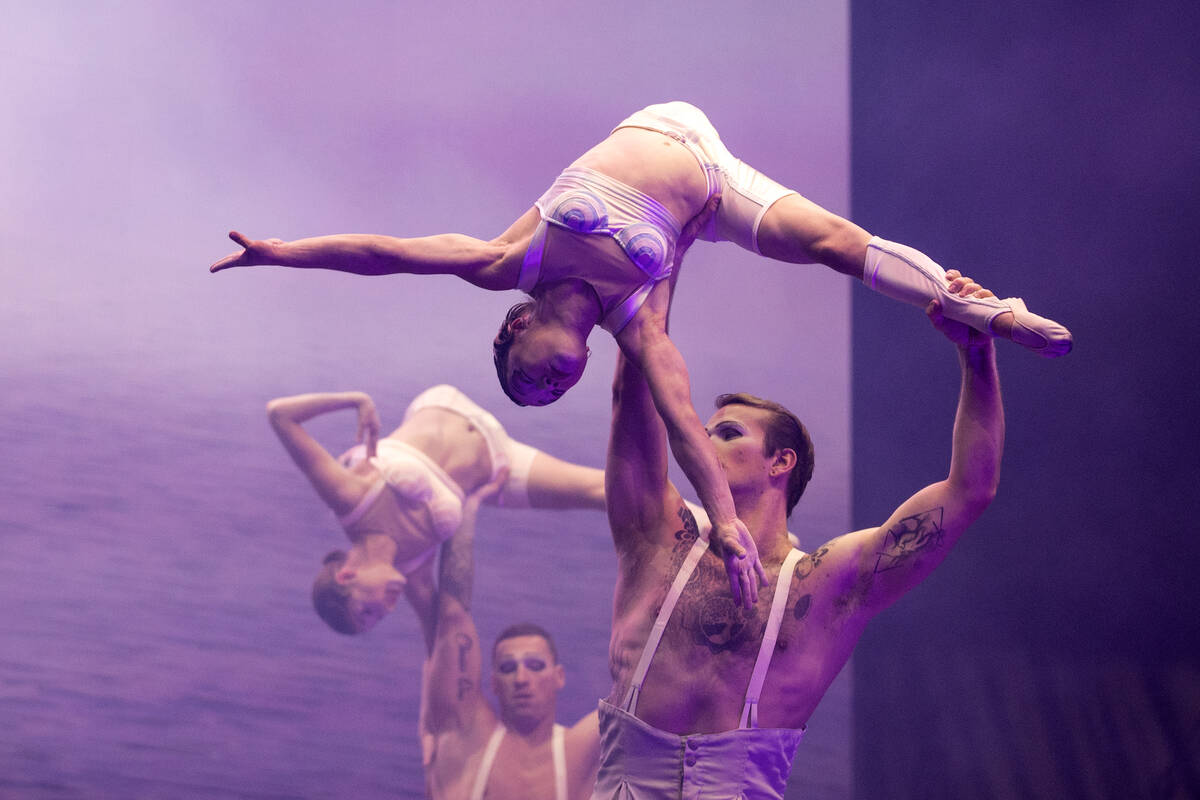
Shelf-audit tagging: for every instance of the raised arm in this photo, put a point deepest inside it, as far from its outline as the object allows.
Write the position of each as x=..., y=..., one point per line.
x=337, y=486
x=652, y=383
x=916, y=538
x=453, y=692
x=491, y=265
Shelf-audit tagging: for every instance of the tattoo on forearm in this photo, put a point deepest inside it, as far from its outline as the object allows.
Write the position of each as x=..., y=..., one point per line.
x=911, y=536
x=457, y=573
x=464, y=646
x=465, y=643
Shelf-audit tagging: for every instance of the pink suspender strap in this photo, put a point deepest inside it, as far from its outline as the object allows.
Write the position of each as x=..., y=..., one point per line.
x=660, y=623
x=767, y=648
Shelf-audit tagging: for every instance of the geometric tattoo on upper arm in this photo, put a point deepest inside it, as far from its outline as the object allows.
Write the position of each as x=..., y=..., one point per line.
x=910, y=536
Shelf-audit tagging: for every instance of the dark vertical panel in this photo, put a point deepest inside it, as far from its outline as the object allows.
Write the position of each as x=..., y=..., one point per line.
x=1049, y=150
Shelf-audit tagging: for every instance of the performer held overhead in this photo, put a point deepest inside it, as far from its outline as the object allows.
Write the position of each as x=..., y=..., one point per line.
x=598, y=248
x=710, y=699
x=515, y=750
x=397, y=498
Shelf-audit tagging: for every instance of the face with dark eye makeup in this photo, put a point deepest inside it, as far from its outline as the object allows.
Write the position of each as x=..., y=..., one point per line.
x=526, y=678
x=543, y=363
x=738, y=434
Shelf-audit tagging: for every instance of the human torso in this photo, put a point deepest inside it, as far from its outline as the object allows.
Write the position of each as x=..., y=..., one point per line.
x=697, y=680
x=520, y=768
x=439, y=437
x=617, y=257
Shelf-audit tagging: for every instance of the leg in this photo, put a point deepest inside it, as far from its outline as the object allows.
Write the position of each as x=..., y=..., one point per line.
x=539, y=480
x=554, y=483
x=909, y=275
x=797, y=230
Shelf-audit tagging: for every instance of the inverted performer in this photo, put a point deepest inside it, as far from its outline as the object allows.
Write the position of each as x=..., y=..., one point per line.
x=398, y=497
x=598, y=249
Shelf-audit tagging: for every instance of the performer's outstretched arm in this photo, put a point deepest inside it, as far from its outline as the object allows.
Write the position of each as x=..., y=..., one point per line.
x=491, y=264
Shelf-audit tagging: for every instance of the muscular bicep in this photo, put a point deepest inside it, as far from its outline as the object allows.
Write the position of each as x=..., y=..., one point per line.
x=907, y=547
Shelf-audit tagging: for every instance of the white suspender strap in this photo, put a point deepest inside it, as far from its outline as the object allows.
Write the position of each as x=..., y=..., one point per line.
x=767, y=648
x=531, y=267
x=660, y=623
x=485, y=764
x=558, y=747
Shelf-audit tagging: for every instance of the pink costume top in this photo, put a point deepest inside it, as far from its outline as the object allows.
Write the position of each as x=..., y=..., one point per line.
x=587, y=202
x=641, y=762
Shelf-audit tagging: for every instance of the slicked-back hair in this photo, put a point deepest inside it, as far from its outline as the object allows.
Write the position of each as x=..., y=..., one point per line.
x=784, y=431
x=332, y=599
x=503, y=343
x=525, y=629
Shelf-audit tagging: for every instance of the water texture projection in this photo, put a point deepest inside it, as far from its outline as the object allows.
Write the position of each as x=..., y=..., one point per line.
x=157, y=544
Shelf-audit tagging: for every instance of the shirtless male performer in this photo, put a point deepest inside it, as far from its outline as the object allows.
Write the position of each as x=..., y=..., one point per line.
x=709, y=699
x=469, y=750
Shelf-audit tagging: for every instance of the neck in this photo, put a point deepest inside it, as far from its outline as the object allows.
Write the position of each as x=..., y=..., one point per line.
x=765, y=514
x=572, y=303
x=529, y=728
x=373, y=548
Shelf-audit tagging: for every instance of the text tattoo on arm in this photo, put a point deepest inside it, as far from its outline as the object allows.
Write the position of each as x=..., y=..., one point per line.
x=464, y=643
x=910, y=537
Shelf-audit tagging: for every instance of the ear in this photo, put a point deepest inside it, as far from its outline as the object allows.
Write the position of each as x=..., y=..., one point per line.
x=345, y=575
x=522, y=322
x=783, y=462
x=560, y=676
x=392, y=592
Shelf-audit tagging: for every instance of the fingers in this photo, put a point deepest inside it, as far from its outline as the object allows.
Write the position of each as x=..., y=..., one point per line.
x=963, y=286
x=749, y=589
x=234, y=260
x=735, y=586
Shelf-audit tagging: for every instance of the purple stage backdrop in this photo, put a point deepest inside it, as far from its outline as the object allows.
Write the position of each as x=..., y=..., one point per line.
x=156, y=544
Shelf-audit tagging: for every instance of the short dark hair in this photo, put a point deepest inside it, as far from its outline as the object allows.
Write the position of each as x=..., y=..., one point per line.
x=503, y=343
x=784, y=430
x=526, y=629
x=332, y=599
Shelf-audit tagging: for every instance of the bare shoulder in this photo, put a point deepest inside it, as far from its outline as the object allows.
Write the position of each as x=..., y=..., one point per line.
x=829, y=582
x=585, y=732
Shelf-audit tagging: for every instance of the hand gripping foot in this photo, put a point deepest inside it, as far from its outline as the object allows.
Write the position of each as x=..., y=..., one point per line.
x=909, y=275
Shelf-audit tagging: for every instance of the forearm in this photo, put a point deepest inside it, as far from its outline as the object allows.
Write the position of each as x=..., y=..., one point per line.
x=696, y=457
x=670, y=390
x=301, y=407
x=456, y=575
x=978, y=440
x=370, y=254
